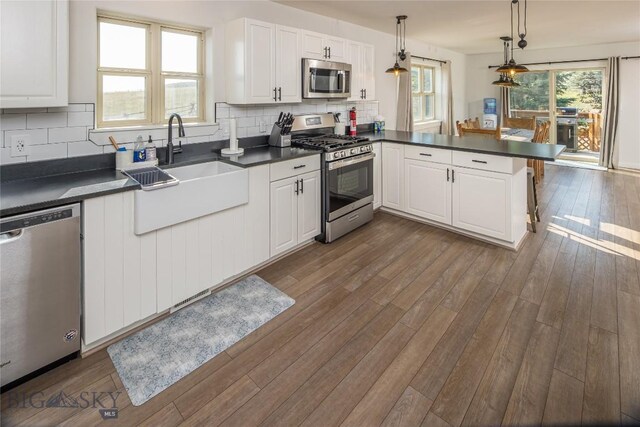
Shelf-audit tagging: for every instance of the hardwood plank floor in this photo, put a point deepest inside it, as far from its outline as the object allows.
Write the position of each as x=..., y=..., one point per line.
x=403, y=324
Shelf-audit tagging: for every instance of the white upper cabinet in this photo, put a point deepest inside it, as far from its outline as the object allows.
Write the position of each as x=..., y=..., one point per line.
x=362, y=60
x=324, y=47
x=288, y=65
x=34, y=54
x=262, y=63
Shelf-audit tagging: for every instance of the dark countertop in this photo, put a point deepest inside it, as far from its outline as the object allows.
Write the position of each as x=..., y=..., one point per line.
x=40, y=185
x=477, y=144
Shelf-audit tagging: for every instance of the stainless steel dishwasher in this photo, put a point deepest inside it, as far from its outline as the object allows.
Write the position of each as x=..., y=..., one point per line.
x=39, y=290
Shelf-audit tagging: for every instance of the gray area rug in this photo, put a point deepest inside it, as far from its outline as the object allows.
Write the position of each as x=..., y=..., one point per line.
x=151, y=360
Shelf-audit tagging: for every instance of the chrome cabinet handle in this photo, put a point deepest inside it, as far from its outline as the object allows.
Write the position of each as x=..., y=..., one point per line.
x=280, y=94
x=453, y=175
x=361, y=93
x=329, y=52
x=275, y=97
x=297, y=190
x=447, y=174
x=299, y=166
x=301, y=185
x=479, y=161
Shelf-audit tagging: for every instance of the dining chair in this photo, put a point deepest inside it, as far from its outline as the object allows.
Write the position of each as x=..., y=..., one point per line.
x=535, y=172
x=519, y=123
x=488, y=133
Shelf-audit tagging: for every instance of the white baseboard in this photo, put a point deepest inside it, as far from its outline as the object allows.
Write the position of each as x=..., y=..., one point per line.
x=629, y=165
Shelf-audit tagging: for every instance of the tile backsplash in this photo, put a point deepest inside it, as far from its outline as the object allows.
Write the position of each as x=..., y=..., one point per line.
x=69, y=131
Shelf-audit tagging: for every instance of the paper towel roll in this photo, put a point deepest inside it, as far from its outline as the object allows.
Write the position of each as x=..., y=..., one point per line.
x=233, y=140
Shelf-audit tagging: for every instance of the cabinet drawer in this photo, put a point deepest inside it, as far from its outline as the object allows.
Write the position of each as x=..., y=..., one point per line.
x=483, y=162
x=436, y=155
x=293, y=167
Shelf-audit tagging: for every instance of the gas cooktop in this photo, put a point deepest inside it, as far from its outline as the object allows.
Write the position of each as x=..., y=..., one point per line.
x=329, y=142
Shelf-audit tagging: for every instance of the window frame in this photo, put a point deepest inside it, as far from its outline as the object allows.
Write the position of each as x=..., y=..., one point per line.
x=422, y=94
x=155, y=77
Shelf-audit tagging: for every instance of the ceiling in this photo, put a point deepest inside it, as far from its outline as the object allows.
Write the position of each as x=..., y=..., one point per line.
x=475, y=26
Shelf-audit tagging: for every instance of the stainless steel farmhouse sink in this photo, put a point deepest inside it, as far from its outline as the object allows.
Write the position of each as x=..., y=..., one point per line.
x=202, y=189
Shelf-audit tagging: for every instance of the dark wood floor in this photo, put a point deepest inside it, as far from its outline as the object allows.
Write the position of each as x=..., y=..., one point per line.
x=404, y=324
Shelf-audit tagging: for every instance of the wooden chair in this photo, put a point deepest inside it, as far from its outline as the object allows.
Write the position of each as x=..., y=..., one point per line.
x=515, y=123
x=468, y=124
x=487, y=133
x=535, y=172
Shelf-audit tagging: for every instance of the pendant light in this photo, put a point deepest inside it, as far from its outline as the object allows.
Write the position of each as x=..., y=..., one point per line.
x=506, y=79
x=511, y=68
x=400, y=54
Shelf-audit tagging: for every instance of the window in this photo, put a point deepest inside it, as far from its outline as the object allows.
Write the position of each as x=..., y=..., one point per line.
x=146, y=71
x=423, y=93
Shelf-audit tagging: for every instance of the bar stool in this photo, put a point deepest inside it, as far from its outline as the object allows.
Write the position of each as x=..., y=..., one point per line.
x=532, y=198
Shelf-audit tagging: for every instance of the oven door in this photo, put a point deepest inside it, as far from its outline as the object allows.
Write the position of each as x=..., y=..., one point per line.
x=349, y=185
x=323, y=79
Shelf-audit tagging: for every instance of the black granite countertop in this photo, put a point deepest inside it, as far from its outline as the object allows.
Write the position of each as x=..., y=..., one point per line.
x=476, y=144
x=40, y=185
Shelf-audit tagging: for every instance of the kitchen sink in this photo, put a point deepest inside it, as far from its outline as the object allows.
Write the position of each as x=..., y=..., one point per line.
x=202, y=189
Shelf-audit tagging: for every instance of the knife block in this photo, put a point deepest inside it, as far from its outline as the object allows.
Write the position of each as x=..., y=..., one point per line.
x=278, y=140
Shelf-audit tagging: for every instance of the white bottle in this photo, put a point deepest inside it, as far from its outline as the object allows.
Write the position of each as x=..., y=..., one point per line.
x=150, y=150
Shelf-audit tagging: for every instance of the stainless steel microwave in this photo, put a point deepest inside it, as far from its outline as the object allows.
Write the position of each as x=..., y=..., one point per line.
x=325, y=79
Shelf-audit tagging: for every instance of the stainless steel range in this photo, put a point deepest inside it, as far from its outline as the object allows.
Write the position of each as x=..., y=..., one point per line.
x=347, y=174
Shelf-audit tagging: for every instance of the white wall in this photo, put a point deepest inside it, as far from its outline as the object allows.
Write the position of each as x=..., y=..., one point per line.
x=479, y=79
x=213, y=14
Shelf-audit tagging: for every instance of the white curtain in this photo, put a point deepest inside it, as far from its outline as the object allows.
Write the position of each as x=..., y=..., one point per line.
x=447, y=100
x=404, y=115
x=610, y=112
x=505, y=104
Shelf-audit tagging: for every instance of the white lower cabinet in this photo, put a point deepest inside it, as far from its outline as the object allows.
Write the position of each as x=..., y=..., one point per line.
x=428, y=190
x=129, y=277
x=393, y=176
x=477, y=193
x=295, y=211
x=482, y=202
x=377, y=175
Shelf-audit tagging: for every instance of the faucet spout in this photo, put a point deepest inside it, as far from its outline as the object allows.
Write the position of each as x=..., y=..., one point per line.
x=171, y=150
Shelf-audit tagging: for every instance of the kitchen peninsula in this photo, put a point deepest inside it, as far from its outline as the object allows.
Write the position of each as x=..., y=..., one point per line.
x=472, y=185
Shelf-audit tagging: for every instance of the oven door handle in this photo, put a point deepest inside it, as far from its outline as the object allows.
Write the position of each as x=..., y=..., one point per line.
x=351, y=161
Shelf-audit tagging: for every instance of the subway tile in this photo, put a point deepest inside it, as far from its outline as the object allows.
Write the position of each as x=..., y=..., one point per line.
x=198, y=139
x=24, y=110
x=6, y=159
x=82, y=148
x=13, y=121
x=237, y=112
x=46, y=120
x=84, y=118
x=37, y=136
x=245, y=122
x=70, y=134
x=47, y=152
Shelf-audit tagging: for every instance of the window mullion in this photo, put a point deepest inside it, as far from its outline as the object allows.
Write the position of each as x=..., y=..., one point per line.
x=156, y=92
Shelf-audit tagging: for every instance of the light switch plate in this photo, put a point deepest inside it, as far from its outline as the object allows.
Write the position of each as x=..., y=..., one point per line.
x=20, y=145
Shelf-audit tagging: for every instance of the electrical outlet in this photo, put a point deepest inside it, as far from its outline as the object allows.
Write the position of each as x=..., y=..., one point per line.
x=20, y=145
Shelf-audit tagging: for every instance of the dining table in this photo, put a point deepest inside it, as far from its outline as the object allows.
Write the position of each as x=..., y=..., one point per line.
x=515, y=134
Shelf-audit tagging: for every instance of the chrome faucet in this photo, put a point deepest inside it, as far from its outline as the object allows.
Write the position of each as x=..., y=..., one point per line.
x=171, y=150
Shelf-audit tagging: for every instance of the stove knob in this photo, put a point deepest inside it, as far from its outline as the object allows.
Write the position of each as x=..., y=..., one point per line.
x=354, y=151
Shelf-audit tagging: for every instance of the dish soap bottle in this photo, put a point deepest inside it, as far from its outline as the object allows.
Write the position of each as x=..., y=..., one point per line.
x=150, y=150
x=139, y=154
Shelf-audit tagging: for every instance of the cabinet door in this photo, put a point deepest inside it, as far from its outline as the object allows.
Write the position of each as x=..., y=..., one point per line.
x=393, y=176
x=482, y=202
x=377, y=175
x=260, y=58
x=35, y=54
x=355, y=59
x=309, y=206
x=337, y=48
x=284, y=215
x=288, y=68
x=313, y=45
x=428, y=190
x=367, y=70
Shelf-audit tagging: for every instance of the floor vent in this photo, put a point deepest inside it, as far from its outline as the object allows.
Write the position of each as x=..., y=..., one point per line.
x=190, y=300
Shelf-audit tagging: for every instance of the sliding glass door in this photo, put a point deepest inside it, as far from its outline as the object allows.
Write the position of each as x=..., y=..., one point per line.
x=571, y=100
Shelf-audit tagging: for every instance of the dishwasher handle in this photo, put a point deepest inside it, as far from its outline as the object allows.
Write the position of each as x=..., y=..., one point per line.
x=10, y=236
